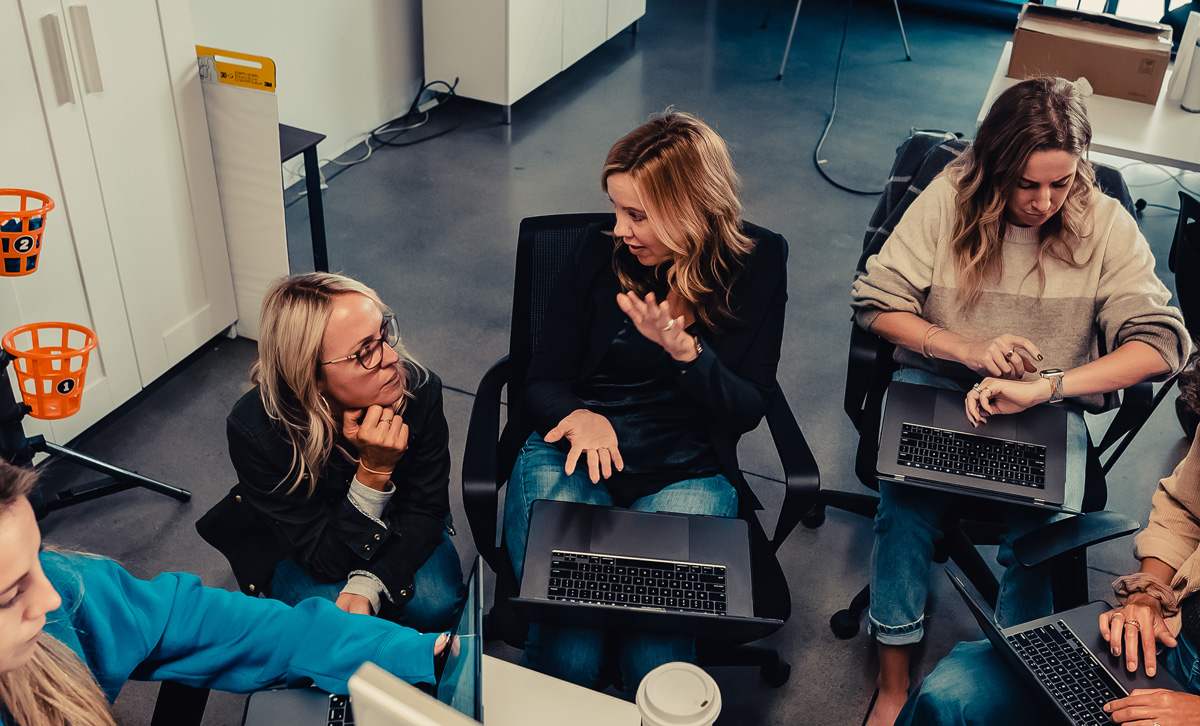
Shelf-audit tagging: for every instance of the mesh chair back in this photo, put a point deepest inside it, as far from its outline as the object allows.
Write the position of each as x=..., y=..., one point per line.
x=544, y=247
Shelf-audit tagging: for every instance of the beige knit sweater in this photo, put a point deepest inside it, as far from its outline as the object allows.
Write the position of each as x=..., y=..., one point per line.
x=1113, y=296
x=1173, y=534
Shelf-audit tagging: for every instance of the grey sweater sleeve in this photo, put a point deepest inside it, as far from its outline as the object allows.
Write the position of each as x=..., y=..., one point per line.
x=1132, y=303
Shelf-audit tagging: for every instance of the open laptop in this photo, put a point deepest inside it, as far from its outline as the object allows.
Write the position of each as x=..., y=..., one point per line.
x=615, y=568
x=927, y=440
x=1066, y=659
x=459, y=690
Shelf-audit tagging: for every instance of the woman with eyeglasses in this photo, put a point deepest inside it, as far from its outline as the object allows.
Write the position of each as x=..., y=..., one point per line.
x=341, y=451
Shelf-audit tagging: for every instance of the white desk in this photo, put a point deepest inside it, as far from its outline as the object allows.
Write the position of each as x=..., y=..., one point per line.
x=1161, y=134
x=516, y=696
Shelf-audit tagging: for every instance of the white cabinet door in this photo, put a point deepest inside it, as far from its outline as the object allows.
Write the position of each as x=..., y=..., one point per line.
x=76, y=265
x=174, y=302
x=535, y=44
x=584, y=24
x=623, y=13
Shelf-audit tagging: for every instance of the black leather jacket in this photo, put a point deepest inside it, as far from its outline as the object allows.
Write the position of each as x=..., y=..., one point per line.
x=259, y=523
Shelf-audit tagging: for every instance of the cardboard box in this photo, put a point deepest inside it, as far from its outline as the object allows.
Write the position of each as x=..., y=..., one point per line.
x=1119, y=57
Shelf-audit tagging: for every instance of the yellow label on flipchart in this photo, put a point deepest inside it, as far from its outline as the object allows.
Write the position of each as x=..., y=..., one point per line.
x=236, y=69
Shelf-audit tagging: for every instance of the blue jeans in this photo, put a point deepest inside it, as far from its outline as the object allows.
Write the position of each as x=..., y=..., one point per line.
x=974, y=686
x=909, y=521
x=437, y=585
x=577, y=654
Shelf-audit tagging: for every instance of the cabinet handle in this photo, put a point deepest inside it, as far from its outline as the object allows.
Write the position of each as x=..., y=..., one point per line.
x=59, y=69
x=85, y=43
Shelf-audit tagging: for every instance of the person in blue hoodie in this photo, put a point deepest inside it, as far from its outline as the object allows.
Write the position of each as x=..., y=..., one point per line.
x=74, y=628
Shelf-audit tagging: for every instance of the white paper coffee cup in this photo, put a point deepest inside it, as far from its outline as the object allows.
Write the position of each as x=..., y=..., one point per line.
x=678, y=694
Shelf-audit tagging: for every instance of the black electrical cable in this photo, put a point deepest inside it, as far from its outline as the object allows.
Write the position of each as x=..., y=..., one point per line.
x=837, y=75
x=378, y=133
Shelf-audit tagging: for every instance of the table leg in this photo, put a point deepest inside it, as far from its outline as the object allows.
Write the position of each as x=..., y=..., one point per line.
x=316, y=213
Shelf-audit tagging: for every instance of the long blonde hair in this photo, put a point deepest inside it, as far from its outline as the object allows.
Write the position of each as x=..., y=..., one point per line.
x=54, y=687
x=686, y=181
x=1038, y=114
x=295, y=312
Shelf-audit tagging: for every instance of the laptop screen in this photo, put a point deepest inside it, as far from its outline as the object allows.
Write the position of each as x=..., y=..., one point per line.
x=461, y=684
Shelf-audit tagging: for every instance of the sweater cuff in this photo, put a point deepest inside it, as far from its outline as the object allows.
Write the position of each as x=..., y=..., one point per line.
x=370, y=501
x=369, y=586
x=1173, y=349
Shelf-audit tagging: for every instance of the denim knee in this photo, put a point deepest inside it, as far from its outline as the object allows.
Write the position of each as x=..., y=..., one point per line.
x=439, y=591
x=566, y=652
x=972, y=685
x=643, y=652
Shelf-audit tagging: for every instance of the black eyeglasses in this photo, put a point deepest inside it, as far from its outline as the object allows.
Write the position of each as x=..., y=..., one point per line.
x=370, y=355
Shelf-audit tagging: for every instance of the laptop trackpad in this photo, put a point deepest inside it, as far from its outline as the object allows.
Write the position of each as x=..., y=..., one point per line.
x=951, y=413
x=637, y=534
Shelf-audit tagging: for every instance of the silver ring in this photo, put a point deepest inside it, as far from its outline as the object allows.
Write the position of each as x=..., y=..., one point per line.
x=976, y=388
x=1134, y=623
x=1011, y=352
x=670, y=325
x=387, y=421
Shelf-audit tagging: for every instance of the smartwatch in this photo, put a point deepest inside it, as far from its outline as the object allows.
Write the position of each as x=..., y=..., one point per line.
x=1055, y=376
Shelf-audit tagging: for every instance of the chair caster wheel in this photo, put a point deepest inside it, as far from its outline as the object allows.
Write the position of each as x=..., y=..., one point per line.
x=814, y=518
x=775, y=674
x=844, y=624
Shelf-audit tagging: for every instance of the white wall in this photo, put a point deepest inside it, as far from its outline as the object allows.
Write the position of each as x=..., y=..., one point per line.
x=342, y=68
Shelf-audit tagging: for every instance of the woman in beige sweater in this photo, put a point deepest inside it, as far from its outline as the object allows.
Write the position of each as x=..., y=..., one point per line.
x=1013, y=279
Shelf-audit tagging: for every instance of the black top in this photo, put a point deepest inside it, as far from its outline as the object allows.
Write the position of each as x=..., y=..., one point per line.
x=728, y=384
x=661, y=429
x=259, y=522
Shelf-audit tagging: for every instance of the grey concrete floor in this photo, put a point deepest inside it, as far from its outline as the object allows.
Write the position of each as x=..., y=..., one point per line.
x=433, y=228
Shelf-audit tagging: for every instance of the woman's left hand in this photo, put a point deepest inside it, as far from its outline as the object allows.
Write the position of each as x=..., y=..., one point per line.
x=1158, y=706
x=996, y=395
x=654, y=321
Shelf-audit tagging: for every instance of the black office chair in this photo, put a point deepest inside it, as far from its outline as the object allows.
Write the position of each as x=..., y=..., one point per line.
x=1062, y=545
x=544, y=246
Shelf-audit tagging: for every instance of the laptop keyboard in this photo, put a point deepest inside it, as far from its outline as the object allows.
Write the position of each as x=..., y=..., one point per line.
x=984, y=457
x=1079, y=683
x=637, y=583
x=339, y=711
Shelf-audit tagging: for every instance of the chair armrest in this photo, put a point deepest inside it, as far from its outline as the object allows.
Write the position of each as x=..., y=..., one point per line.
x=1137, y=403
x=1068, y=537
x=801, y=475
x=480, y=480
x=864, y=353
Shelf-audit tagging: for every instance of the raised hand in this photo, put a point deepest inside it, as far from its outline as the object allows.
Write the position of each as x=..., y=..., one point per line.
x=591, y=434
x=654, y=321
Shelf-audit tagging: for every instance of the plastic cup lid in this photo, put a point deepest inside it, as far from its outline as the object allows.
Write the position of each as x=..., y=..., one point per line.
x=678, y=694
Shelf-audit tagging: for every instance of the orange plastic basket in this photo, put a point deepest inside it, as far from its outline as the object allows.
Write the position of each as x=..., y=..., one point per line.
x=51, y=360
x=22, y=221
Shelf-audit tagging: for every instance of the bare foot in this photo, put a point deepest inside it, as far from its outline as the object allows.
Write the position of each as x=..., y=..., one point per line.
x=887, y=708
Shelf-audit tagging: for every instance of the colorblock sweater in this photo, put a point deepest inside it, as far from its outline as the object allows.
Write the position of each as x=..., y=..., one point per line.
x=1109, y=299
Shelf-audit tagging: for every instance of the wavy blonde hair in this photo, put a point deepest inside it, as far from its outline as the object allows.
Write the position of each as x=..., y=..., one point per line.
x=54, y=687
x=295, y=312
x=688, y=188
x=1038, y=114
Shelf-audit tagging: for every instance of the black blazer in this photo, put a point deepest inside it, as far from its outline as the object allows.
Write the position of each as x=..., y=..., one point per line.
x=731, y=379
x=258, y=523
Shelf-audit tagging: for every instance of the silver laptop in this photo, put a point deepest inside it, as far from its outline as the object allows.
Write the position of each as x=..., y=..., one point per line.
x=926, y=440
x=459, y=690
x=1064, y=658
